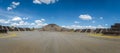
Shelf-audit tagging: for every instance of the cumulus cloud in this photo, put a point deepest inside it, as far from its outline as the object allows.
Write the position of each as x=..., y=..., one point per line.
x=43, y=20
x=14, y=24
x=25, y=18
x=44, y=1
x=32, y=24
x=9, y=8
x=13, y=5
x=17, y=21
x=20, y=24
x=36, y=24
x=83, y=27
x=40, y=23
x=23, y=22
x=16, y=3
x=37, y=1
x=3, y=21
x=85, y=17
x=16, y=18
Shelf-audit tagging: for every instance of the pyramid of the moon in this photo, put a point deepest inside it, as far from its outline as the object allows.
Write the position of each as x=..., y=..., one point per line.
x=51, y=27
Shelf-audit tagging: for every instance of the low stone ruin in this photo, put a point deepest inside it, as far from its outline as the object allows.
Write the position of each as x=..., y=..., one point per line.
x=114, y=30
x=77, y=30
x=5, y=29
x=2, y=30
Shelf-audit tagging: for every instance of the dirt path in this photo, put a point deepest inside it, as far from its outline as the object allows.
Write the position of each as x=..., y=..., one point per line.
x=57, y=42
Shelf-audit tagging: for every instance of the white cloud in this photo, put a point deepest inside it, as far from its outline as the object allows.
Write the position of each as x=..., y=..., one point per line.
x=43, y=20
x=38, y=21
x=22, y=22
x=32, y=24
x=40, y=25
x=4, y=21
x=16, y=3
x=83, y=27
x=44, y=1
x=25, y=18
x=14, y=24
x=37, y=1
x=36, y=24
x=16, y=18
x=85, y=17
x=9, y=8
x=13, y=5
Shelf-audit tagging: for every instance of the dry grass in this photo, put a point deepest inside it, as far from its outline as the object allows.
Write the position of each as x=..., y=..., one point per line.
x=8, y=35
x=104, y=36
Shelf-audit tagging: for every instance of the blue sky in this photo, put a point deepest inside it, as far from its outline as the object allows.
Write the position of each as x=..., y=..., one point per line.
x=66, y=13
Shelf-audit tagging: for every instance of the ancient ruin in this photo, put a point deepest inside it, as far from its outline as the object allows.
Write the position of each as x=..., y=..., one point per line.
x=52, y=27
x=2, y=30
x=114, y=30
x=5, y=29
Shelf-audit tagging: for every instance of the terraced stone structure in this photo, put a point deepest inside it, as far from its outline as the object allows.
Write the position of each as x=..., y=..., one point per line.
x=2, y=30
x=83, y=30
x=65, y=30
x=114, y=30
x=5, y=29
x=55, y=27
x=86, y=30
x=52, y=27
x=98, y=30
x=77, y=30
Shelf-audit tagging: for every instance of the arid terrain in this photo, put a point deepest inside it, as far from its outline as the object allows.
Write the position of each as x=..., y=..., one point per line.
x=57, y=42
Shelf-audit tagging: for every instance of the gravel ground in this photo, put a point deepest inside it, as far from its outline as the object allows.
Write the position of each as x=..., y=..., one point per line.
x=57, y=42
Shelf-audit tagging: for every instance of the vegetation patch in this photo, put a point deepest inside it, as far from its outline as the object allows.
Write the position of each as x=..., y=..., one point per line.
x=7, y=35
x=104, y=36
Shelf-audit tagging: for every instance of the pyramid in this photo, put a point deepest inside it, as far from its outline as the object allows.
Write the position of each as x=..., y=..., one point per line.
x=51, y=27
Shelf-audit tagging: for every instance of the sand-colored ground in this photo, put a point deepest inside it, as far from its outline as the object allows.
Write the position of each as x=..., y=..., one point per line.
x=57, y=42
